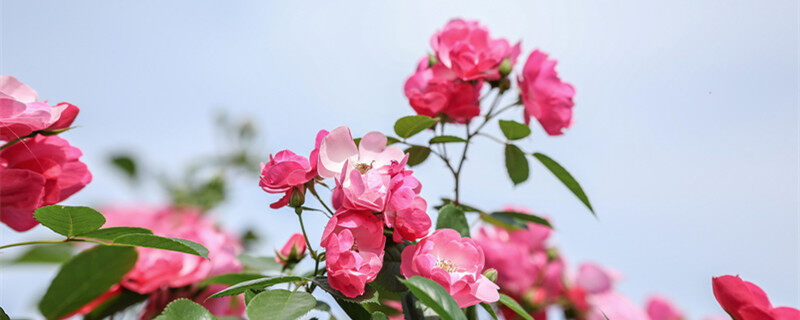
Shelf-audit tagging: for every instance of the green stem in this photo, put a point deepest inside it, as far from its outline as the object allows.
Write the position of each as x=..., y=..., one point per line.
x=314, y=192
x=32, y=242
x=8, y=144
x=303, y=227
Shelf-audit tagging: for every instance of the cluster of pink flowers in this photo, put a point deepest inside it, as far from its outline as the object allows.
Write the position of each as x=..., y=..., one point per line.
x=168, y=275
x=448, y=83
x=35, y=170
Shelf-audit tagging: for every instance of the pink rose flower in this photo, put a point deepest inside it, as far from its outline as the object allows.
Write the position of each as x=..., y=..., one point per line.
x=453, y=262
x=287, y=172
x=293, y=250
x=406, y=211
x=466, y=47
x=544, y=95
x=744, y=300
x=21, y=113
x=338, y=149
x=598, y=282
x=660, y=308
x=354, y=243
x=436, y=91
x=38, y=172
x=368, y=191
x=157, y=269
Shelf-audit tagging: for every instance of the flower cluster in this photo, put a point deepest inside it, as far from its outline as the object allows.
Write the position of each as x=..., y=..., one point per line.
x=36, y=168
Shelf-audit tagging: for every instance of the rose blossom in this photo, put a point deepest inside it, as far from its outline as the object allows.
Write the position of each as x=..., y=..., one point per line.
x=338, y=149
x=466, y=47
x=453, y=262
x=597, y=283
x=287, y=172
x=436, y=91
x=544, y=95
x=406, y=211
x=37, y=172
x=660, y=308
x=21, y=113
x=354, y=243
x=293, y=250
x=744, y=300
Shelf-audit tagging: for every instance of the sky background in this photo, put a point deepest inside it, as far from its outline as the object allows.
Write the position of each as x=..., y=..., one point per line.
x=685, y=134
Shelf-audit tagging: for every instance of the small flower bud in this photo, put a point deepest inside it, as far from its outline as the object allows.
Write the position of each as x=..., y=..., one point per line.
x=298, y=197
x=491, y=273
x=293, y=251
x=505, y=67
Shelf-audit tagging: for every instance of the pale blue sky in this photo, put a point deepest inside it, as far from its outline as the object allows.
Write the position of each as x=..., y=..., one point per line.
x=685, y=135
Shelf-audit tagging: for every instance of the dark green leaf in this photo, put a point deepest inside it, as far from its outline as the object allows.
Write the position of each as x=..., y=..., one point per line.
x=172, y=244
x=417, y=155
x=115, y=304
x=410, y=309
x=391, y=140
x=47, y=253
x=231, y=278
x=446, y=139
x=451, y=217
x=377, y=315
x=259, y=263
x=516, y=164
x=69, y=221
x=84, y=278
x=435, y=297
x=410, y=125
x=357, y=141
x=114, y=232
x=503, y=222
x=125, y=164
x=354, y=310
x=523, y=217
x=280, y=305
x=513, y=305
x=489, y=310
x=256, y=284
x=322, y=283
x=250, y=294
x=514, y=130
x=3, y=315
x=185, y=309
x=565, y=178
x=461, y=205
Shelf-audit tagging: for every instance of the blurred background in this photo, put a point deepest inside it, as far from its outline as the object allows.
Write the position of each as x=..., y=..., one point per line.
x=685, y=134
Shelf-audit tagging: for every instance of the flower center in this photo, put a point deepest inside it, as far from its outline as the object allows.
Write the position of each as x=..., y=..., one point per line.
x=363, y=167
x=445, y=265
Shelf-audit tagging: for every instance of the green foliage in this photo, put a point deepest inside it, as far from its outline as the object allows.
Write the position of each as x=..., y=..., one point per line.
x=280, y=305
x=115, y=304
x=417, y=155
x=85, y=277
x=231, y=278
x=257, y=284
x=451, y=217
x=489, y=310
x=47, y=253
x=408, y=126
x=69, y=221
x=446, y=139
x=125, y=164
x=322, y=283
x=502, y=223
x=513, y=305
x=519, y=218
x=377, y=315
x=434, y=296
x=516, y=164
x=514, y=130
x=114, y=232
x=184, y=309
x=354, y=310
x=410, y=309
x=156, y=242
x=259, y=263
x=3, y=315
x=565, y=178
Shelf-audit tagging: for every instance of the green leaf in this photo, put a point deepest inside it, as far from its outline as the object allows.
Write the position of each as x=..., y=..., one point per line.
x=256, y=284
x=565, y=178
x=391, y=140
x=513, y=305
x=259, y=263
x=524, y=217
x=115, y=304
x=435, y=297
x=230, y=278
x=69, y=221
x=185, y=309
x=417, y=155
x=489, y=310
x=84, y=278
x=47, y=253
x=250, y=294
x=354, y=310
x=451, y=217
x=357, y=141
x=3, y=315
x=516, y=164
x=377, y=315
x=322, y=283
x=156, y=242
x=408, y=126
x=514, y=130
x=322, y=306
x=125, y=164
x=114, y=232
x=410, y=309
x=446, y=139
x=507, y=224
x=280, y=305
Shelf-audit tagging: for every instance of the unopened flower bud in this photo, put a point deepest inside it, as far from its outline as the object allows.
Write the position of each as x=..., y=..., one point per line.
x=432, y=60
x=293, y=251
x=505, y=67
x=491, y=273
x=298, y=197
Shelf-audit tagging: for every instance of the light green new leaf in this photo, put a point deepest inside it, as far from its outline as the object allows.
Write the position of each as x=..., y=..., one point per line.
x=410, y=125
x=451, y=217
x=516, y=164
x=565, y=178
x=256, y=284
x=514, y=130
x=69, y=221
x=446, y=139
x=435, y=297
x=156, y=242
x=112, y=233
x=280, y=305
x=513, y=305
x=185, y=309
x=84, y=278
